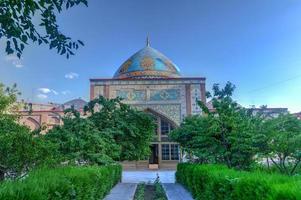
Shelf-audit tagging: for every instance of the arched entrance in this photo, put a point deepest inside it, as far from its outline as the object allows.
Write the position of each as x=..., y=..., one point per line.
x=165, y=153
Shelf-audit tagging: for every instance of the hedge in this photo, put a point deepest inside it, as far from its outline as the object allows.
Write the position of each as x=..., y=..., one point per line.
x=216, y=182
x=78, y=183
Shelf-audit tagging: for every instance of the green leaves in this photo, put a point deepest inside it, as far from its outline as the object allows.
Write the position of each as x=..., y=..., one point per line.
x=225, y=134
x=283, y=145
x=16, y=25
x=131, y=130
x=112, y=132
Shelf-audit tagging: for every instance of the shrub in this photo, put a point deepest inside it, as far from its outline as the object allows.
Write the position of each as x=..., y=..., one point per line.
x=63, y=183
x=219, y=182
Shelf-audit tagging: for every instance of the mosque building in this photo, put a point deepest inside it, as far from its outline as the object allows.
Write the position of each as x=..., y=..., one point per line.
x=151, y=82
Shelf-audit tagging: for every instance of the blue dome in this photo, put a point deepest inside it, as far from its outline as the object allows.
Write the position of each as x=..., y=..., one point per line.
x=147, y=63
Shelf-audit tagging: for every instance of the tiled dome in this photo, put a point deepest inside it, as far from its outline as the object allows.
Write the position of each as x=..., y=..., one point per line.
x=147, y=63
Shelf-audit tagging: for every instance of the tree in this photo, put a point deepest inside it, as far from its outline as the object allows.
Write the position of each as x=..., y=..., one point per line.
x=225, y=135
x=18, y=27
x=194, y=140
x=79, y=140
x=131, y=129
x=111, y=131
x=19, y=150
x=284, y=142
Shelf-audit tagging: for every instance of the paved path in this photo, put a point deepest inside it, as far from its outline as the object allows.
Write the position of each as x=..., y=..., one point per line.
x=122, y=191
x=126, y=189
x=175, y=191
x=148, y=176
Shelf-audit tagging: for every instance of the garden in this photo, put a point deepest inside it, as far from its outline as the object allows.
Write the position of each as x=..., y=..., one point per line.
x=150, y=191
x=233, y=153
x=76, y=160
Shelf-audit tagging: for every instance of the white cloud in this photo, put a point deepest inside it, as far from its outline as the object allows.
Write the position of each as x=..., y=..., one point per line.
x=71, y=75
x=19, y=65
x=44, y=90
x=42, y=96
x=65, y=92
x=13, y=59
x=47, y=91
x=54, y=92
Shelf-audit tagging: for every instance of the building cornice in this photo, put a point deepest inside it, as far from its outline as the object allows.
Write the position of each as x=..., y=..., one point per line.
x=111, y=81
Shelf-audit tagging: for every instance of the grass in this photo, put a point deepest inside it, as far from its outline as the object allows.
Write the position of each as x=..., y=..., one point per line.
x=140, y=192
x=218, y=182
x=81, y=183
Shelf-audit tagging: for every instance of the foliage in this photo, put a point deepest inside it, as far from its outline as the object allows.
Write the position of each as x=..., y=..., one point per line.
x=63, y=183
x=8, y=96
x=192, y=135
x=139, y=193
x=131, y=130
x=219, y=182
x=283, y=144
x=79, y=140
x=19, y=150
x=159, y=191
x=228, y=134
x=25, y=21
x=150, y=191
x=110, y=132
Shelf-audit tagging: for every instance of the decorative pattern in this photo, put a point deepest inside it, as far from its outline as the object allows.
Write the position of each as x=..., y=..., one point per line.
x=169, y=66
x=167, y=94
x=98, y=91
x=147, y=63
x=132, y=95
x=125, y=66
x=171, y=111
x=195, y=97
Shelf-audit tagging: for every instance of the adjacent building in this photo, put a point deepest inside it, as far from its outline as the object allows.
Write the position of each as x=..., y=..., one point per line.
x=46, y=116
x=269, y=112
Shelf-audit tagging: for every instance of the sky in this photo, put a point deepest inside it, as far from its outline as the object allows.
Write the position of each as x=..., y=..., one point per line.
x=255, y=44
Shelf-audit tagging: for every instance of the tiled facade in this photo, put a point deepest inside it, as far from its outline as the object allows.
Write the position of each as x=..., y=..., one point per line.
x=170, y=99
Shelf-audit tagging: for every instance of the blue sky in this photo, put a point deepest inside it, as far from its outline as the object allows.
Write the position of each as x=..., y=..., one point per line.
x=255, y=44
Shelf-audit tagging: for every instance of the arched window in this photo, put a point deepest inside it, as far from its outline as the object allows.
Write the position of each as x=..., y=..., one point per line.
x=32, y=123
x=166, y=127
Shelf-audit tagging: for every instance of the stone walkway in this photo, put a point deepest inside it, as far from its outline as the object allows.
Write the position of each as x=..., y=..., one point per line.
x=122, y=191
x=175, y=191
x=148, y=176
x=126, y=189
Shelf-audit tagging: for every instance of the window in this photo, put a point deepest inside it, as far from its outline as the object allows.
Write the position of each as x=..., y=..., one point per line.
x=165, y=127
x=165, y=151
x=174, y=150
x=170, y=152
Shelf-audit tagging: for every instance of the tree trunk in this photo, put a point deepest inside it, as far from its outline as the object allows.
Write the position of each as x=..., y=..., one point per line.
x=295, y=167
x=2, y=175
x=268, y=162
x=277, y=165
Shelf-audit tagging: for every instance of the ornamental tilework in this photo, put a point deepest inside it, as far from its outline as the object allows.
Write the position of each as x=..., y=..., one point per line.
x=132, y=95
x=98, y=91
x=195, y=97
x=171, y=111
x=147, y=62
x=167, y=94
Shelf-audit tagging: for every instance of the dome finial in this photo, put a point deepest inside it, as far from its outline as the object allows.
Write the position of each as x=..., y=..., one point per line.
x=147, y=41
